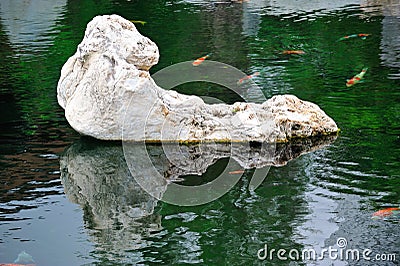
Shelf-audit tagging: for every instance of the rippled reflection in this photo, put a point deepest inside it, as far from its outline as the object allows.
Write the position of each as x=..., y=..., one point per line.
x=30, y=24
x=121, y=214
x=390, y=43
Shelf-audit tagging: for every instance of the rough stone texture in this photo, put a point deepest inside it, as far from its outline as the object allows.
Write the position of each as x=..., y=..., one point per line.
x=107, y=93
x=298, y=118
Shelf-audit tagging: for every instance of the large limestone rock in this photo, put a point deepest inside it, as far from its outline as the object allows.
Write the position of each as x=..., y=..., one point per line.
x=107, y=93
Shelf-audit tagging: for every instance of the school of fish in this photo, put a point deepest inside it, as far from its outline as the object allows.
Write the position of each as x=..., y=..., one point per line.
x=350, y=82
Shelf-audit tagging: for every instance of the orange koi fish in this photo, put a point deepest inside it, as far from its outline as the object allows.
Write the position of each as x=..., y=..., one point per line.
x=240, y=81
x=293, y=52
x=363, y=36
x=200, y=60
x=236, y=172
x=354, y=80
x=385, y=212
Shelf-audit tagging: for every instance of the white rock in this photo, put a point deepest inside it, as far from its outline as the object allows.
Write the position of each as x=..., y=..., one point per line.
x=107, y=93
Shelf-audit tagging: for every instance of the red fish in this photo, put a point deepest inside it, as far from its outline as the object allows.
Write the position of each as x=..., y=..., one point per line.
x=363, y=36
x=293, y=52
x=354, y=80
x=240, y=81
x=236, y=172
x=385, y=212
x=200, y=60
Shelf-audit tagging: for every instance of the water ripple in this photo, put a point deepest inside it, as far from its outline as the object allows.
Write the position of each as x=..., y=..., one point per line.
x=30, y=27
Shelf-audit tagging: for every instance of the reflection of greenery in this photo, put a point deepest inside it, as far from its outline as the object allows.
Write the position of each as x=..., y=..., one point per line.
x=233, y=228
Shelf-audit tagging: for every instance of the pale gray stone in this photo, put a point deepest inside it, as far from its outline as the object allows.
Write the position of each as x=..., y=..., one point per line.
x=108, y=93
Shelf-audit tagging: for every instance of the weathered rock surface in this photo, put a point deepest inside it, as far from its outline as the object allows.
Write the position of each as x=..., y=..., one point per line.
x=107, y=93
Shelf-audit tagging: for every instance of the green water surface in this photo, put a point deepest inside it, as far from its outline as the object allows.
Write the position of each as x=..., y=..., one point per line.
x=308, y=203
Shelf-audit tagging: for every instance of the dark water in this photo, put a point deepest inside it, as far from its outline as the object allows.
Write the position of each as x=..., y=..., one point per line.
x=71, y=201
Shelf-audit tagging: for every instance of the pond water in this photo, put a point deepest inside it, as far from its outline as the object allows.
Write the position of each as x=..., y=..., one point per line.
x=67, y=200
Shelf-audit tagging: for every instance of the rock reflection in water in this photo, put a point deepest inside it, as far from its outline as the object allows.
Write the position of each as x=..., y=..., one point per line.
x=96, y=176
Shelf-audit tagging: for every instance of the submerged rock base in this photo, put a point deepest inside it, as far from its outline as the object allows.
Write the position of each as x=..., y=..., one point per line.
x=108, y=93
